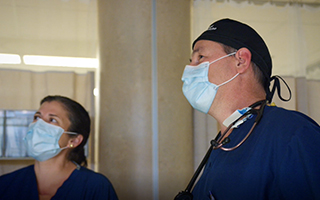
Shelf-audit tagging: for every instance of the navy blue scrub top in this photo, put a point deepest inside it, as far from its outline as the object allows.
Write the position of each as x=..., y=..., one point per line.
x=279, y=160
x=82, y=184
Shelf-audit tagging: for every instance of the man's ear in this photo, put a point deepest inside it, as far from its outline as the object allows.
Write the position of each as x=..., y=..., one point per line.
x=74, y=142
x=243, y=57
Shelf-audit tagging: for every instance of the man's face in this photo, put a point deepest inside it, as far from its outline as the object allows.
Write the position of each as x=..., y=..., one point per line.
x=208, y=51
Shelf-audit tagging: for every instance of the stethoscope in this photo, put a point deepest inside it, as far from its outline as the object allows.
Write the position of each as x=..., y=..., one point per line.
x=221, y=140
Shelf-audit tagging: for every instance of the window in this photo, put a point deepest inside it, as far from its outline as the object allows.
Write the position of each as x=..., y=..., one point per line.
x=13, y=127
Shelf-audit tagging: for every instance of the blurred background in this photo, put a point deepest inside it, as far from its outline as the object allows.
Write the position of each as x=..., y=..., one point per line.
x=123, y=60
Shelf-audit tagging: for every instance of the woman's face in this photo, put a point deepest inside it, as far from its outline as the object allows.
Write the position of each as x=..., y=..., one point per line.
x=54, y=113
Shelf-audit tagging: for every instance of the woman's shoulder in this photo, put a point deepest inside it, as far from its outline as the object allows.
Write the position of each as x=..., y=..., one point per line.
x=91, y=176
x=93, y=183
x=20, y=173
x=16, y=181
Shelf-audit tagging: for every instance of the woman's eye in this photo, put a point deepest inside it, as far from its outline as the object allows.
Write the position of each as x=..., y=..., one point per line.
x=53, y=120
x=35, y=118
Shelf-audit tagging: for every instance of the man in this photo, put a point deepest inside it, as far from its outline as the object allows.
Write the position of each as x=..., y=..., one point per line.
x=262, y=151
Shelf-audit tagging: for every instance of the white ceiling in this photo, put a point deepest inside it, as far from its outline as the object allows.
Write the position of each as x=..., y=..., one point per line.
x=56, y=27
x=49, y=27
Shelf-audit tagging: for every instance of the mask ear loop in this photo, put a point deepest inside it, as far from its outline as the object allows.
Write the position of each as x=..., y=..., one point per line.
x=230, y=54
x=229, y=80
x=70, y=133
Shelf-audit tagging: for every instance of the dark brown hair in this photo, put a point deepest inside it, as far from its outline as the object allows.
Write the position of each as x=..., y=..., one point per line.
x=80, y=123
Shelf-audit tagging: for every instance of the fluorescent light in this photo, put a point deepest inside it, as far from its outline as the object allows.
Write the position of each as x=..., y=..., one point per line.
x=61, y=61
x=9, y=59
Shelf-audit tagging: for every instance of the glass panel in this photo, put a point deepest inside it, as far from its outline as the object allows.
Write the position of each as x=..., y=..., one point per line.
x=16, y=127
x=1, y=133
x=13, y=128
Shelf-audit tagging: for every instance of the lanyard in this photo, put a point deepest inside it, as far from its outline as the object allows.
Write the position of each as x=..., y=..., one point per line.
x=218, y=143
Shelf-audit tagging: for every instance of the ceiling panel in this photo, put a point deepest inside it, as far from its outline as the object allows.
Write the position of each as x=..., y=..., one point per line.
x=27, y=22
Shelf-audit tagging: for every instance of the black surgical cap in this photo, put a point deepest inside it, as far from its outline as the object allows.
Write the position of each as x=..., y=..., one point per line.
x=237, y=35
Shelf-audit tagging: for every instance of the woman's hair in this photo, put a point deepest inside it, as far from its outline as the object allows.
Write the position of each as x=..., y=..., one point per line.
x=80, y=123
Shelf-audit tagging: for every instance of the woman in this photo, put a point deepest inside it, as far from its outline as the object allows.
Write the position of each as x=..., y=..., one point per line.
x=56, y=140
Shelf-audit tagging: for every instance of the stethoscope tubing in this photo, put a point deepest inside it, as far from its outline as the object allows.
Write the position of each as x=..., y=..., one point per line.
x=218, y=143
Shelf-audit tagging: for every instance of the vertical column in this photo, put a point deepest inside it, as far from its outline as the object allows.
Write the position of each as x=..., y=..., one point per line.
x=135, y=139
x=175, y=113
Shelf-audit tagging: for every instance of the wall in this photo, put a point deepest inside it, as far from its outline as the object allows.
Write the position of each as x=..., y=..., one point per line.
x=145, y=145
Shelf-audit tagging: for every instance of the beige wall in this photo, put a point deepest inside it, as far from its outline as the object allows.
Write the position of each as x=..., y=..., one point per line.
x=145, y=138
x=127, y=148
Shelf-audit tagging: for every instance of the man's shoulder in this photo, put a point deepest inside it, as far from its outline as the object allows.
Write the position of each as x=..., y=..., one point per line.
x=279, y=114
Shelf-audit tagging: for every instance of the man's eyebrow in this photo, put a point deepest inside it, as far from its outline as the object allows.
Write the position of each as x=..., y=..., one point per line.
x=196, y=50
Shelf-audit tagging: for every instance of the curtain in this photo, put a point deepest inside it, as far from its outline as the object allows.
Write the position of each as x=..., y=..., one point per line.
x=291, y=32
x=25, y=89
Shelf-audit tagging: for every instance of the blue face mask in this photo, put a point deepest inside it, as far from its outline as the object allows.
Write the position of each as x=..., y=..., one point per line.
x=196, y=86
x=42, y=140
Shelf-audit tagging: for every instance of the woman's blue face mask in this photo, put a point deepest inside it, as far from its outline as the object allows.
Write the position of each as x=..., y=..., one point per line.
x=42, y=140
